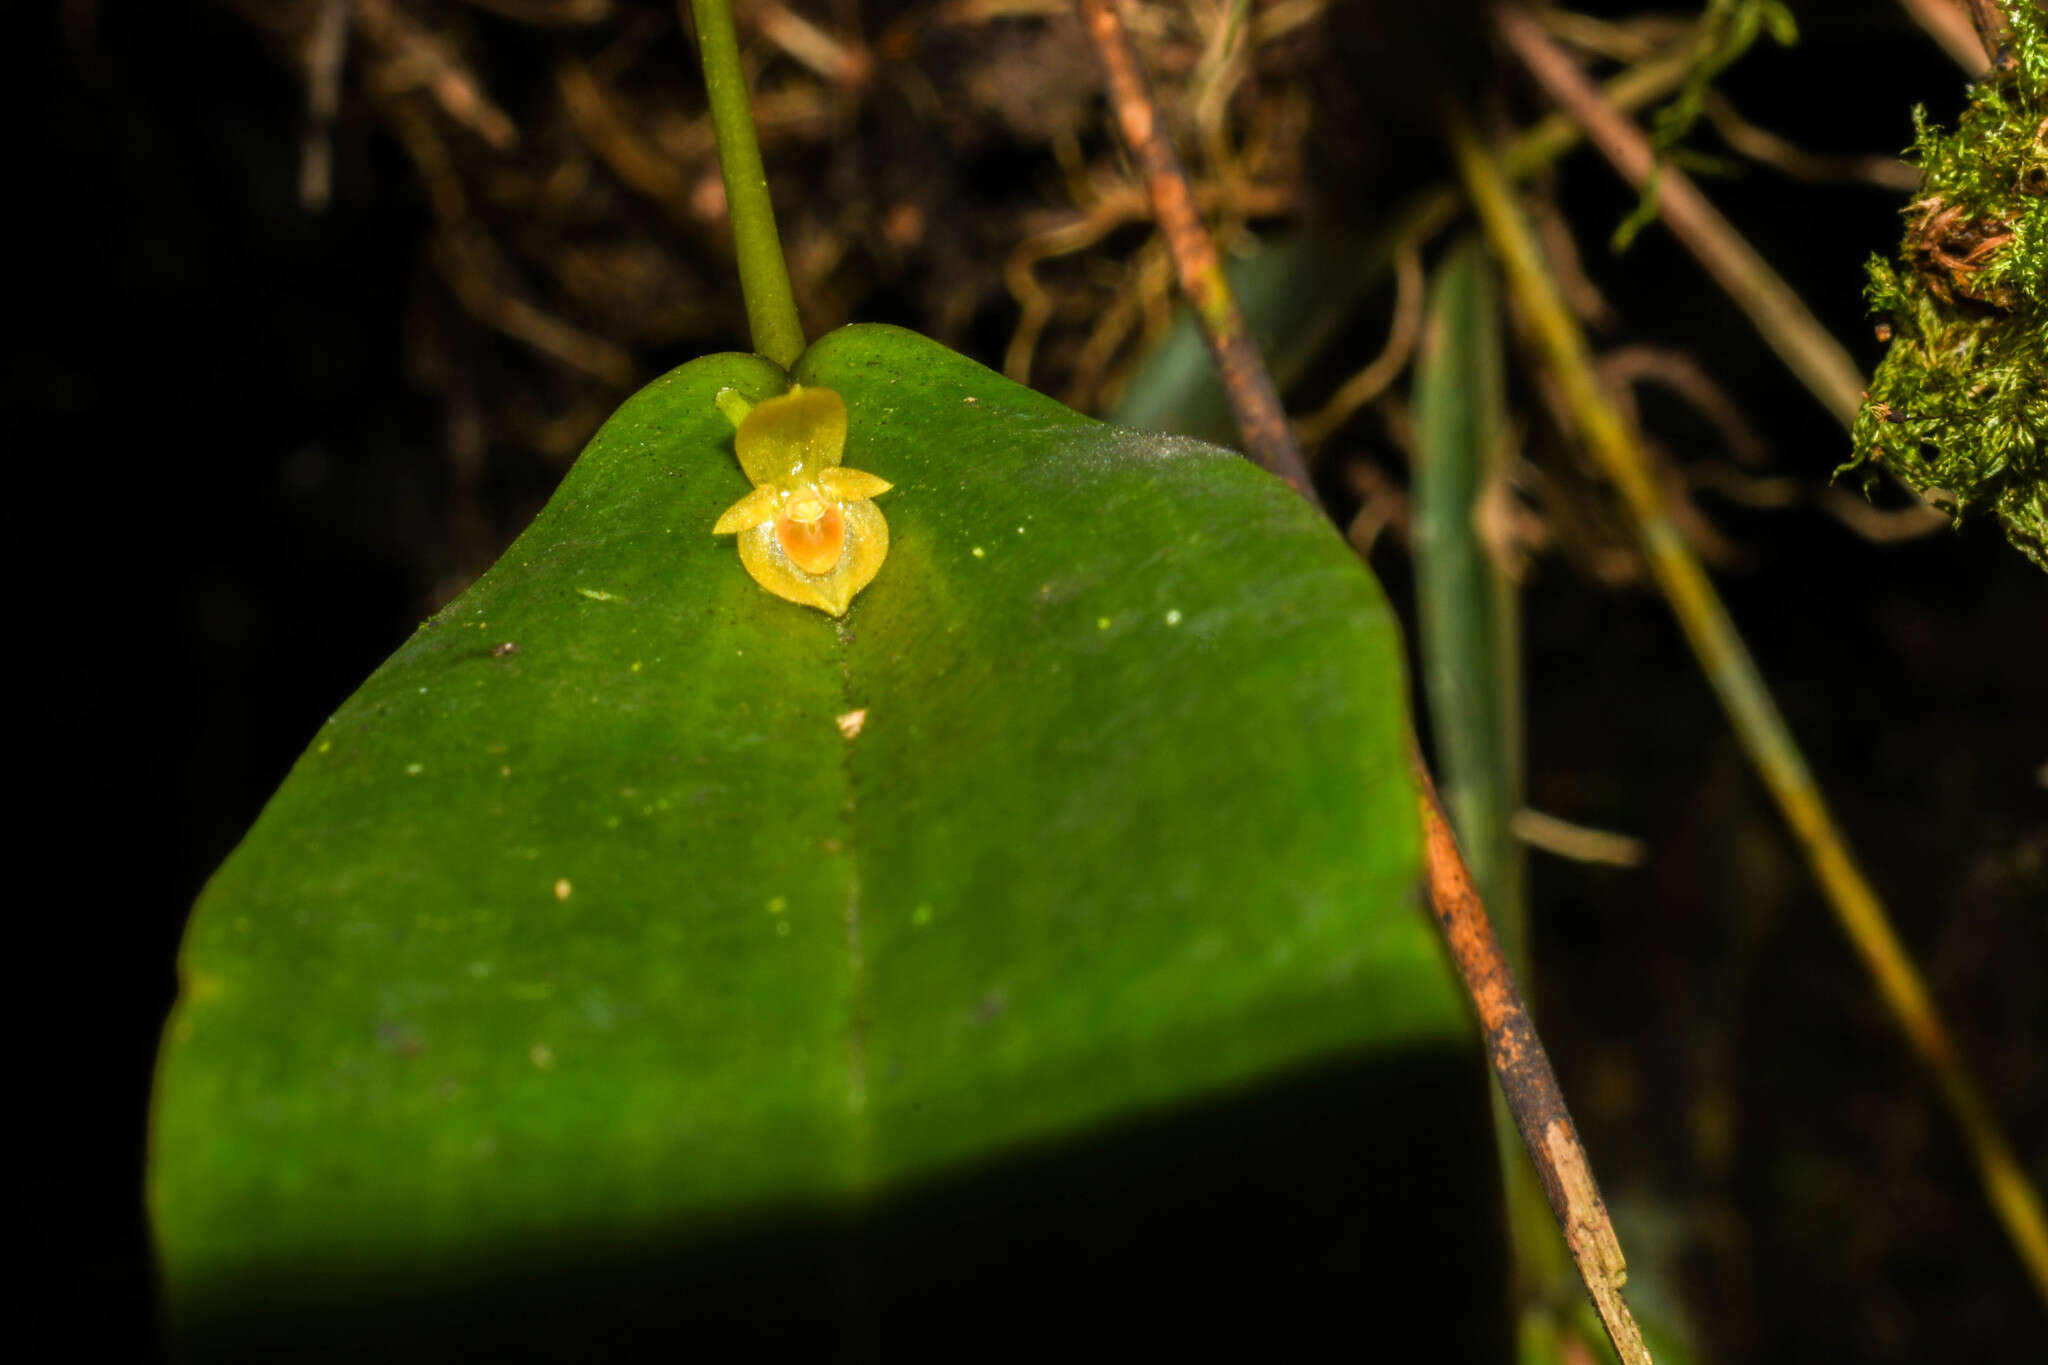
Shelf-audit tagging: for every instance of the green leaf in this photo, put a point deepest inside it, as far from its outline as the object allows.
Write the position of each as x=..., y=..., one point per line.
x=583, y=925
x=1467, y=607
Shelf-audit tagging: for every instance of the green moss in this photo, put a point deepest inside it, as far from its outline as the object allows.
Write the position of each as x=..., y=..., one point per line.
x=1959, y=407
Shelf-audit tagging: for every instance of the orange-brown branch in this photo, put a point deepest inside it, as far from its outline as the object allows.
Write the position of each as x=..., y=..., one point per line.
x=1254, y=402
x=1526, y=1080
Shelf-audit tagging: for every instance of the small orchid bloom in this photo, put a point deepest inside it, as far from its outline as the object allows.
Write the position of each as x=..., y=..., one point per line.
x=810, y=531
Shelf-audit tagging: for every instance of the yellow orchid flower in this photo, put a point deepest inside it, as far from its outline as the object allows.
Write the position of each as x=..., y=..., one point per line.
x=810, y=531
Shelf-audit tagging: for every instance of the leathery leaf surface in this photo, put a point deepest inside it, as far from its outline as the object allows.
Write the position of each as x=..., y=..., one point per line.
x=584, y=920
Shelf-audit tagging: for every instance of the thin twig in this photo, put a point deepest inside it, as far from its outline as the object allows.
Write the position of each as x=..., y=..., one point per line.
x=1682, y=376
x=1254, y=402
x=473, y=265
x=1993, y=32
x=419, y=58
x=1372, y=379
x=1726, y=661
x=1786, y=157
x=1383, y=507
x=1526, y=1080
x=1626, y=40
x=1568, y=266
x=1883, y=525
x=1077, y=231
x=847, y=64
x=615, y=135
x=1217, y=75
x=326, y=49
x=1579, y=843
x=1151, y=282
x=1777, y=313
x=1951, y=30
x=482, y=280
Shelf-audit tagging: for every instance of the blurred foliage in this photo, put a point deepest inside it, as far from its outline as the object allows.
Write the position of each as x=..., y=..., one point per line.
x=1958, y=409
x=1726, y=32
x=937, y=164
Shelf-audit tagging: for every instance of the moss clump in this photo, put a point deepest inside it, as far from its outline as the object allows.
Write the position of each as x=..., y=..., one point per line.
x=1959, y=406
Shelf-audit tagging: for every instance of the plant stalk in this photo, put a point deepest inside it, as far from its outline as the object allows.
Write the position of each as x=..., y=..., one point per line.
x=1528, y=1086
x=777, y=332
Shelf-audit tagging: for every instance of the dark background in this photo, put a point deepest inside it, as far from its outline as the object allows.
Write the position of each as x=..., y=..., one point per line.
x=233, y=498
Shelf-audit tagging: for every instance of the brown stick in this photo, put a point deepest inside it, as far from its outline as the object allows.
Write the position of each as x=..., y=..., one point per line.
x=1526, y=1080
x=1951, y=31
x=1254, y=402
x=326, y=49
x=1994, y=32
x=417, y=57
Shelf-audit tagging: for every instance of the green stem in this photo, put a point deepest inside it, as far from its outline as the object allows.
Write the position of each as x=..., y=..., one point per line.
x=1468, y=607
x=764, y=275
x=1471, y=661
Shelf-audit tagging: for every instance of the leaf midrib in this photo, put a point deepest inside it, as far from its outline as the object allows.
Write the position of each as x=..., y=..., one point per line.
x=861, y=1134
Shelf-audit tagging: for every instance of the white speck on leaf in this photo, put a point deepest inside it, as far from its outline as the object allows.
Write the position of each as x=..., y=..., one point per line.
x=851, y=723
